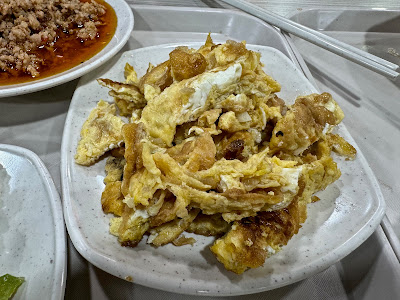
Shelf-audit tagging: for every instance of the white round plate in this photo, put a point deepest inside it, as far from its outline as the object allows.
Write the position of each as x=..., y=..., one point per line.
x=348, y=212
x=32, y=231
x=122, y=33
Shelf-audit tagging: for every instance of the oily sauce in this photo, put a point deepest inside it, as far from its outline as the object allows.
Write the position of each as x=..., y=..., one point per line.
x=68, y=51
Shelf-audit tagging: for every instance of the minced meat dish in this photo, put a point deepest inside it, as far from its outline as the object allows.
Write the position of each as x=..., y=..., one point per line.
x=29, y=25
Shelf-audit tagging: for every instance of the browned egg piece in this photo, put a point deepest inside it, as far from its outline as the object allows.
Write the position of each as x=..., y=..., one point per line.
x=186, y=65
x=159, y=76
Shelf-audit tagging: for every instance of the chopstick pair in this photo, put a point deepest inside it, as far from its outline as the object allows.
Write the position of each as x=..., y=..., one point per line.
x=365, y=59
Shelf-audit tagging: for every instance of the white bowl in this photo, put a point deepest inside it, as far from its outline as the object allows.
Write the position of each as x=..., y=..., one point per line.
x=122, y=33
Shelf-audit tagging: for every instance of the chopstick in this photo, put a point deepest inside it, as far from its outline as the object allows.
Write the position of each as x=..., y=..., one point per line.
x=365, y=59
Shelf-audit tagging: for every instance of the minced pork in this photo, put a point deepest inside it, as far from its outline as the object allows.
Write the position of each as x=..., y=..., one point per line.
x=28, y=24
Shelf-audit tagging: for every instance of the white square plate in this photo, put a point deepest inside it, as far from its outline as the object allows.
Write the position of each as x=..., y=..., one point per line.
x=349, y=210
x=32, y=231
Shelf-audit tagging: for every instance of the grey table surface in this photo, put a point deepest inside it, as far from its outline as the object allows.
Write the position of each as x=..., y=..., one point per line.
x=367, y=273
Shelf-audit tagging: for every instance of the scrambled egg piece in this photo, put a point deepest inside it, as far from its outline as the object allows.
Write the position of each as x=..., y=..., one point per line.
x=250, y=241
x=127, y=96
x=306, y=122
x=101, y=132
x=111, y=198
x=211, y=149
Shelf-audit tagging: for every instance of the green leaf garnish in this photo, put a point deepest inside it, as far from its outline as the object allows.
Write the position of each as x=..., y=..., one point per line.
x=9, y=285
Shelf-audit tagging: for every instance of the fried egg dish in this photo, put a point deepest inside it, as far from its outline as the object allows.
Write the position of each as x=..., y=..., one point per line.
x=202, y=144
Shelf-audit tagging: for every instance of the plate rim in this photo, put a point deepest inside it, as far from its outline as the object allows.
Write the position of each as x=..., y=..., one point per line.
x=327, y=260
x=78, y=71
x=60, y=235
